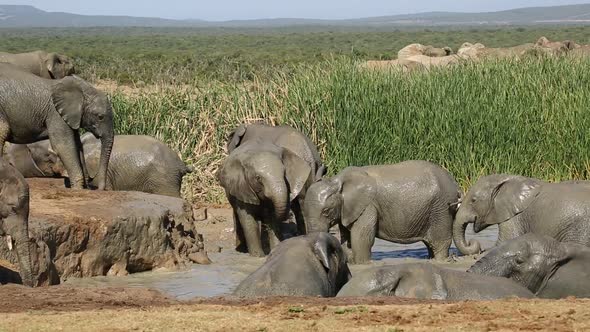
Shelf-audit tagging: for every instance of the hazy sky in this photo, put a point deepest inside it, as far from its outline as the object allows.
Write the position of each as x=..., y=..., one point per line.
x=249, y=9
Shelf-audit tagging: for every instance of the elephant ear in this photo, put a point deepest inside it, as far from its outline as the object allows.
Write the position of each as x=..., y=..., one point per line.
x=68, y=99
x=297, y=172
x=235, y=137
x=232, y=177
x=51, y=62
x=324, y=249
x=358, y=190
x=510, y=198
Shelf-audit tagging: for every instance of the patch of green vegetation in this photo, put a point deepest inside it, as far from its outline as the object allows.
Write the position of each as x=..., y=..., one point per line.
x=296, y=309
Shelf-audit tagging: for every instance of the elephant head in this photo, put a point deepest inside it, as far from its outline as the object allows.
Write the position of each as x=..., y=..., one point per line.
x=340, y=199
x=35, y=160
x=529, y=260
x=258, y=172
x=14, y=218
x=58, y=66
x=494, y=199
x=82, y=106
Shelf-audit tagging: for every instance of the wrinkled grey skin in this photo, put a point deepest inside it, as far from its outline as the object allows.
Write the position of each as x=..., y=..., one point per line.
x=34, y=109
x=548, y=268
x=438, y=52
x=263, y=183
x=310, y=265
x=35, y=160
x=428, y=281
x=41, y=63
x=405, y=203
x=283, y=136
x=14, y=218
x=520, y=205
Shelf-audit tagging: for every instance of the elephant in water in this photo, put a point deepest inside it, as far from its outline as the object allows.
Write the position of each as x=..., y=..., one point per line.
x=428, y=281
x=407, y=202
x=519, y=205
x=42, y=64
x=426, y=50
x=263, y=183
x=34, y=109
x=548, y=268
x=310, y=265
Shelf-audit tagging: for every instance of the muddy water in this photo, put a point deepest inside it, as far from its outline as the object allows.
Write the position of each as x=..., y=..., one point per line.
x=230, y=268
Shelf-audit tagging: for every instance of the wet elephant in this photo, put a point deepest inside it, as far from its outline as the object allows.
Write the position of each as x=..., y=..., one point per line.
x=310, y=265
x=406, y=202
x=548, y=268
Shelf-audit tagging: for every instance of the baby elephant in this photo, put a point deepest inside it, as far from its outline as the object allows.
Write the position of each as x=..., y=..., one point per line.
x=407, y=202
x=310, y=265
x=428, y=281
x=137, y=163
x=548, y=268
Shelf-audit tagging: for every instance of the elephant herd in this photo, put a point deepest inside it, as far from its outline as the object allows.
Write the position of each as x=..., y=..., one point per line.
x=423, y=57
x=43, y=106
x=284, y=206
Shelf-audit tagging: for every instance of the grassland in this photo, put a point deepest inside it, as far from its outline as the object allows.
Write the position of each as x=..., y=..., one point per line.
x=527, y=117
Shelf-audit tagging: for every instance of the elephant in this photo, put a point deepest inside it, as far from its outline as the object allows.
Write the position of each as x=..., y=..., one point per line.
x=406, y=202
x=548, y=268
x=520, y=205
x=34, y=108
x=14, y=218
x=309, y=265
x=557, y=47
x=137, y=163
x=283, y=136
x=426, y=50
x=428, y=281
x=41, y=63
x=263, y=182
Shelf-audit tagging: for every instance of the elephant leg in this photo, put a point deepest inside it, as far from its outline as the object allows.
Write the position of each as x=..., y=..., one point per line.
x=362, y=236
x=4, y=132
x=273, y=234
x=345, y=240
x=251, y=231
x=80, y=148
x=63, y=142
x=297, y=209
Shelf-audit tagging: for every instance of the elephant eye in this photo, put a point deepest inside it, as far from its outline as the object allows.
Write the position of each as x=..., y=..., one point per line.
x=326, y=212
x=519, y=260
x=100, y=117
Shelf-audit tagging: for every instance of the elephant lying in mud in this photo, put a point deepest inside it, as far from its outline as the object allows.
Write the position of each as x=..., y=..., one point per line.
x=520, y=205
x=407, y=202
x=428, y=281
x=426, y=50
x=42, y=64
x=264, y=184
x=34, y=109
x=310, y=265
x=548, y=268
x=137, y=163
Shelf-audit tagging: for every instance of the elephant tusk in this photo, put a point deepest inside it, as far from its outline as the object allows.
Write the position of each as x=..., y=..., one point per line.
x=9, y=242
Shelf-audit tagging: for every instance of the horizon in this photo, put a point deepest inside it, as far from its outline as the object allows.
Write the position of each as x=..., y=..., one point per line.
x=267, y=9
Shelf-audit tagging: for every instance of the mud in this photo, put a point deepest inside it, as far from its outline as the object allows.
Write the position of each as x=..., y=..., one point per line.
x=97, y=233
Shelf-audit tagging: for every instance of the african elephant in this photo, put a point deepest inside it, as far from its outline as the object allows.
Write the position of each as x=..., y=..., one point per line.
x=428, y=281
x=33, y=109
x=427, y=50
x=557, y=47
x=284, y=137
x=14, y=218
x=521, y=205
x=40, y=63
x=309, y=265
x=406, y=202
x=548, y=268
x=263, y=182
x=35, y=160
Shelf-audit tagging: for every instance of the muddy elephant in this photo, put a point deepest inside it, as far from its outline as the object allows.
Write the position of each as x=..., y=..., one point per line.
x=309, y=265
x=406, y=202
x=428, y=281
x=263, y=183
x=41, y=63
x=548, y=268
x=427, y=50
x=282, y=136
x=558, y=48
x=14, y=218
x=33, y=109
x=520, y=205
x=35, y=160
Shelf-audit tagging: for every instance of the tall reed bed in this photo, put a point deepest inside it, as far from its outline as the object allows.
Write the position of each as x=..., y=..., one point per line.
x=530, y=117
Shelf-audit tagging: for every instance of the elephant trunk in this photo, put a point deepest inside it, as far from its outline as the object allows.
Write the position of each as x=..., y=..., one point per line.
x=314, y=225
x=280, y=201
x=105, y=155
x=462, y=219
x=19, y=231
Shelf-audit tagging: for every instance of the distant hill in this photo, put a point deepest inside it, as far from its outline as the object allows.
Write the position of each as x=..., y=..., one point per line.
x=27, y=16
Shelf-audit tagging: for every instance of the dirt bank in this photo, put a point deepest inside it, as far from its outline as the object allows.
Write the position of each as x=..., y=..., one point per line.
x=91, y=233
